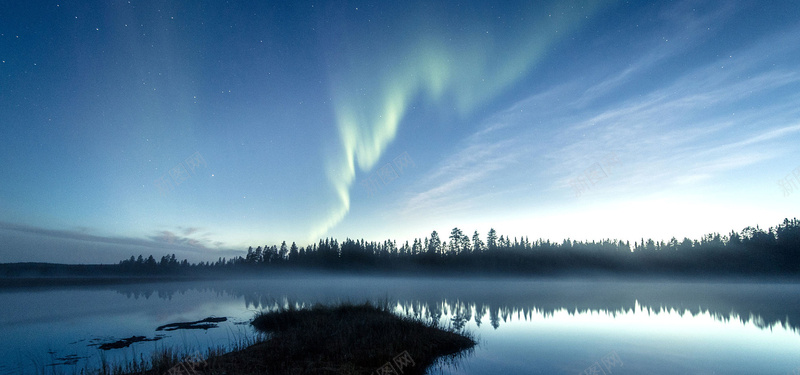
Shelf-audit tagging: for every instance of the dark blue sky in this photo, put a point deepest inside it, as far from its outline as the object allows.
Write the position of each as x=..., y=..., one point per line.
x=201, y=128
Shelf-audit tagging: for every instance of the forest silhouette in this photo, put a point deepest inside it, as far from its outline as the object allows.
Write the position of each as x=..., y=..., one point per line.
x=753, y=251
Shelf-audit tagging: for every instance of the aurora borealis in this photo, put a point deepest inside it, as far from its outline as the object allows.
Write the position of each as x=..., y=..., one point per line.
x=413, y=56
x=132, y=127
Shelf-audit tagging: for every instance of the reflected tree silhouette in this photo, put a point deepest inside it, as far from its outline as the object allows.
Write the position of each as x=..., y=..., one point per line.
x=461, y=301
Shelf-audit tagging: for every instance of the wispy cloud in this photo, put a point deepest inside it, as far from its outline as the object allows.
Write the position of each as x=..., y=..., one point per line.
x=450, y=184
x=189, y=231
x=161, y=242
x=688, y=30
x=716, y=118
x=166, y=237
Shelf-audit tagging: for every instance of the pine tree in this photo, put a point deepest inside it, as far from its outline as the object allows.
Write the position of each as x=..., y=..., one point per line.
x=466, y=245
x=477, y=244
x=434, y=244
x=258, y=256
x=455, y=240
x=283, y=252
x=491, y=239
x=250, y=254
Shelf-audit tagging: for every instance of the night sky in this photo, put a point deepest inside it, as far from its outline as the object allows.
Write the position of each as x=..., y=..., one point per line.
x=201, y=128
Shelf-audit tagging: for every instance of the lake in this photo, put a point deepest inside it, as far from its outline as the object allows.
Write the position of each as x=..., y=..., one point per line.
x=523, y=326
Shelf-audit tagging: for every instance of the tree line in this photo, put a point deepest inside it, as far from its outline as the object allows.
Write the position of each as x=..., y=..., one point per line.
x=753, y=251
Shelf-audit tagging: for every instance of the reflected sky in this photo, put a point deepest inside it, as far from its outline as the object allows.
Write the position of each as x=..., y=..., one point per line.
x=523, y=326
x=662, y=342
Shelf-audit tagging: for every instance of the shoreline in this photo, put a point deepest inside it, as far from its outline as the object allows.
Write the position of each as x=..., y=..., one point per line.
x=103, y=280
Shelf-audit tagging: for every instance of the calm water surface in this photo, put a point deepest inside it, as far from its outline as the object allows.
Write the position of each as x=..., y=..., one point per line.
x=523, y=326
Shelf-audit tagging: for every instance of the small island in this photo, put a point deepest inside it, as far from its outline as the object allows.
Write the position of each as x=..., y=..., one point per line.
x=342, y=339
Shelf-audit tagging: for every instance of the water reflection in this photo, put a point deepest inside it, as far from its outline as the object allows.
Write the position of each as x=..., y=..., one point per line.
x=523, y=326
x=764, y=305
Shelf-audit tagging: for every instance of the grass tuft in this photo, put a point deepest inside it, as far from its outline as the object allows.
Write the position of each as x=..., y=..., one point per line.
x=350, y=339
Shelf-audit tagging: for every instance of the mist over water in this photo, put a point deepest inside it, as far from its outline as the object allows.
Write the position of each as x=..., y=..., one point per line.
x=523, y=326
